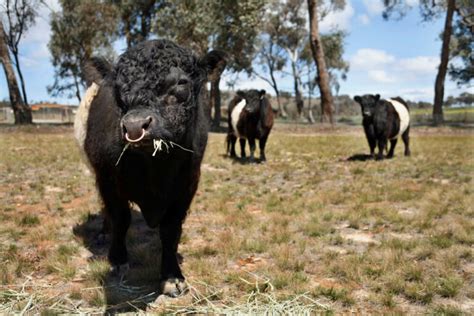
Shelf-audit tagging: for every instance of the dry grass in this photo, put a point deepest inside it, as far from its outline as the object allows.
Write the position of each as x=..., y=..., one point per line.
x=308, y=230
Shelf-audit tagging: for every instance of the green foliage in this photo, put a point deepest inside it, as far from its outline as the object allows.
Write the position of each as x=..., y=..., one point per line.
x=230, y=26
x=80, y=30
x=136, y=18
x=461, y=50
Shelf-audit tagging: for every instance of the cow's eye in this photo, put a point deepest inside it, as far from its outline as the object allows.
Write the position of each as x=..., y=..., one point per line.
x=181, y=92
x=183, y=82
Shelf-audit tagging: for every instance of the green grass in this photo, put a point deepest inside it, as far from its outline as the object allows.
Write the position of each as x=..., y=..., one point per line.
x=307, y=227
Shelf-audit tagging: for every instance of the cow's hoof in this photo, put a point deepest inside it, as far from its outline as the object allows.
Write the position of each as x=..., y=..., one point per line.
x=173, y=287
x=120, y=270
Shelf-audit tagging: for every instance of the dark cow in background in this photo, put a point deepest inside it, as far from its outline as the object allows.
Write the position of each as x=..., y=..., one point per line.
x=250, y=117
x=385, y=120
x=144, y=133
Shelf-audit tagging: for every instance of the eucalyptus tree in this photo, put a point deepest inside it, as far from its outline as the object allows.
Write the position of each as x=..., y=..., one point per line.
x=22, y=112
x=270, y=56
x=80, y=29
x=19, y=16
x=317, y=11
x=433, y=9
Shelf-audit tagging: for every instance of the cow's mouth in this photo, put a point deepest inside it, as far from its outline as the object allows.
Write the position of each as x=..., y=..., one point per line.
x=136, y=140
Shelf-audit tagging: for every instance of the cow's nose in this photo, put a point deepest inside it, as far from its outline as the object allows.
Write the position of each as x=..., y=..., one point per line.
x=134, y=129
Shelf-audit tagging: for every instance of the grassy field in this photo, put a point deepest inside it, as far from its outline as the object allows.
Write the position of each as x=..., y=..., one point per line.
x=310, y=230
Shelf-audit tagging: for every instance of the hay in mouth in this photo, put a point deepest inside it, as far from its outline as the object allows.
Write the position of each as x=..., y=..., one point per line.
x=159, y=145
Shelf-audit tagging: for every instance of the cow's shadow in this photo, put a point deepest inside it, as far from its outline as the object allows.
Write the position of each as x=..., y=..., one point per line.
x=359, y=157
x=243, y=161
x=140, y=287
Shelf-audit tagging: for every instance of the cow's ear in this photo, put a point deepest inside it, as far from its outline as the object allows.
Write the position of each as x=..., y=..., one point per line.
x=214, y=60
x=357, y=99
x=262, y=93
x=377, y=97
x=95, y=70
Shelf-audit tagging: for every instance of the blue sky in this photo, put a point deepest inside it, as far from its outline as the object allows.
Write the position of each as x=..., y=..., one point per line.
x=386, y=57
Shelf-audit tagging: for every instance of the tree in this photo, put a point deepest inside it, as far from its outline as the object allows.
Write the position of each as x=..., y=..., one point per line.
x=20, y=16
x=318, y=56
x=81, y=29
x=271, y=56
x=333, y=46
x=429, y=10
x=21, y=111
x=293, y=39
x=461, y=69
x=136, y=18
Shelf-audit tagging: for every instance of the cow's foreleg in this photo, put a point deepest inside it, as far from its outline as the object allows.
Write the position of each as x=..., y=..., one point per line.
x=252, y=148
x=393, y=143
x=172, y=283
x=406, y=141
x=381, y=144
x=242, y=148
x=118, y=216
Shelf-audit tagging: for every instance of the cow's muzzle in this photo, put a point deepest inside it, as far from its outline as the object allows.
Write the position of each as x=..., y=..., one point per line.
x=135, y=129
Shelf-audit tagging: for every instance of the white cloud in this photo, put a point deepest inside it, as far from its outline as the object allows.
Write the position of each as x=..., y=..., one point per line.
x=419, y=94
x=380, y=76
x=420, y=64
x=412, y=3
x=340, y=20
x=369, y=58
x=364, y=19
x=374, y=7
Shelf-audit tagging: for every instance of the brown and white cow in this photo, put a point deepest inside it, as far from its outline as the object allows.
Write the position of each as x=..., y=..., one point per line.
x=250, y=117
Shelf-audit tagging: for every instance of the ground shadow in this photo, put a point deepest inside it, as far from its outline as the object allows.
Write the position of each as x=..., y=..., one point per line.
x=360, y=157
x=243, y=161
x=141, y=285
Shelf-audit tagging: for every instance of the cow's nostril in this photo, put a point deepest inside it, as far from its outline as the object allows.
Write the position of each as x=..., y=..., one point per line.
x=147, y=122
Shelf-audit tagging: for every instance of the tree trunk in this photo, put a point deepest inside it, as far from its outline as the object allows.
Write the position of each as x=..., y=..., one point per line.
x=216, y=102
x=296, y=80
x=20, y=74
x=215, y=97
x=22, y=112
x=281, y=110
x=318, y=55
x=310, y=96
x=438, y=116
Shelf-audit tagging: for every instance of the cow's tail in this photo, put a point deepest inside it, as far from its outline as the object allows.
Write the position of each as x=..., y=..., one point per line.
x=227, y=143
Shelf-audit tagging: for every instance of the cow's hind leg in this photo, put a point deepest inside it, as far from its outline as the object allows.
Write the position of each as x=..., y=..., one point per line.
x=118, y=216
x=242, y=148
x=261, y=144
x=406, y=141
x=393, y=143
x=232, y=140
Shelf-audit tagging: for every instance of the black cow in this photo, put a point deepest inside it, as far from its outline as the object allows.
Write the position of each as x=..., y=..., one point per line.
x=144, y=133
x=385, y=120
x=250, y=117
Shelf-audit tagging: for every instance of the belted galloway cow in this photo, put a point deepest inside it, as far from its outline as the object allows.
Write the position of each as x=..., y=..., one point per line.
x=250, y=117
x=143, y=129
x=385, y=120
